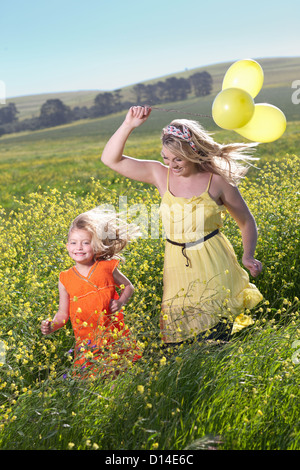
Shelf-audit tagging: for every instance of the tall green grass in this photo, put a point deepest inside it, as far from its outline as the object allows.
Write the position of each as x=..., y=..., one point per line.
x=239, y=397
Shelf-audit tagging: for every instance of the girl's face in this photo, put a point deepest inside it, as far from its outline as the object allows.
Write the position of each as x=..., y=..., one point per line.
x=79, y=246
x=178, y=166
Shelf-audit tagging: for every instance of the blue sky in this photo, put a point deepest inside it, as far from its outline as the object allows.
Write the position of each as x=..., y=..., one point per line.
x=68, y=45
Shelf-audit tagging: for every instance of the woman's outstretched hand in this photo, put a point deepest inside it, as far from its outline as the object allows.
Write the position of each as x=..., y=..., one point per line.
x=254, y=266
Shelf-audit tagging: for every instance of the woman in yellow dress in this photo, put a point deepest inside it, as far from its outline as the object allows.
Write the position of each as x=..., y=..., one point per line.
x=205, y=288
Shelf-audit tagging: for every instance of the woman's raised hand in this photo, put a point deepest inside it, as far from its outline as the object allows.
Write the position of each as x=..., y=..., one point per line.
x=137, y=115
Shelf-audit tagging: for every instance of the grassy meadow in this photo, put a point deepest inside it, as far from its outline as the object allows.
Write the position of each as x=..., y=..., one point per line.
x=243, y=395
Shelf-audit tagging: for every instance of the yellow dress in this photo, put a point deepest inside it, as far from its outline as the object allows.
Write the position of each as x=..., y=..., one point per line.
x=203, y=283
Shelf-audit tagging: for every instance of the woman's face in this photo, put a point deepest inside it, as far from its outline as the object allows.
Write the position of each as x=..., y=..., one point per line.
x=178, y=166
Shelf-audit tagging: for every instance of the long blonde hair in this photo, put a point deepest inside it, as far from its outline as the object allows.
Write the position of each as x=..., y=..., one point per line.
x=110, y=234
x=212, y=157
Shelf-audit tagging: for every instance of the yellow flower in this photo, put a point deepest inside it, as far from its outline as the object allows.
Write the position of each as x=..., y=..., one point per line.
x=163, y=361
x=140, y=388
x=88, y=354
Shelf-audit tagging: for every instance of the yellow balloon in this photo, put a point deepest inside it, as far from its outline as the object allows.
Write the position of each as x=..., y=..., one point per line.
x=267, y=124
x=232, y=108
x=246, y=74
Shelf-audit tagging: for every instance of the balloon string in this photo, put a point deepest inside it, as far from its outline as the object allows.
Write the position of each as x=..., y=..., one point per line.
x=179, y=111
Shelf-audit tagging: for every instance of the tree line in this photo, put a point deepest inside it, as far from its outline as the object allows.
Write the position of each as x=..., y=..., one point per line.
x=55, y=113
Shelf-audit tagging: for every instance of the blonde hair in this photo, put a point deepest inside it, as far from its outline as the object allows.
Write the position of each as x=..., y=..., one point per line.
x=221, y=159
x=110, y=234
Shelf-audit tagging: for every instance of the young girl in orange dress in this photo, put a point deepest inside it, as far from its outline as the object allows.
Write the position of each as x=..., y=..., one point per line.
x=87, y=294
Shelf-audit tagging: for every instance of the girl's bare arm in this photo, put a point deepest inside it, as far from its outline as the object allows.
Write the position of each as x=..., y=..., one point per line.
x=121, y=280
x=61, y=317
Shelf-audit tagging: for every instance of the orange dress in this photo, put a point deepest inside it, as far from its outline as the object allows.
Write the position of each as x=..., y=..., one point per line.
x=102, y=339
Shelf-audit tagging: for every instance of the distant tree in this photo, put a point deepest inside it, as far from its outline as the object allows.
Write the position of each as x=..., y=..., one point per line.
x=201, y=83
x=161, y=91
x=117, y=97
x=145, y=94
x=140, y=92
x=171, y=89
x=176, y=89
x=184, y=88
x=54, y=113
x=150, y=94
x=80, y=113
x=104, y=104
x=8, y=114
x=32, y=124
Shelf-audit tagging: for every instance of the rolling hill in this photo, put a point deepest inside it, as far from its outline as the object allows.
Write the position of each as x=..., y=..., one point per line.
x=279, y=74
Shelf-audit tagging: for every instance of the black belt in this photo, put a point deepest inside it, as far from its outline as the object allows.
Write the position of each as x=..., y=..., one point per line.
x=190, y=244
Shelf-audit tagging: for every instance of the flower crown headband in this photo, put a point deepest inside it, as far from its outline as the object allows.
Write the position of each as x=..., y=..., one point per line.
x=185, y=134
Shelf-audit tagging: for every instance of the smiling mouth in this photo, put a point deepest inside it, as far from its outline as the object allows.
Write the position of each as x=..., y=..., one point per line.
x=176, y=170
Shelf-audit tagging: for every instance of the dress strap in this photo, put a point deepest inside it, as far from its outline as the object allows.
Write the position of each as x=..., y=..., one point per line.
x=208, y=186
x=168, y=178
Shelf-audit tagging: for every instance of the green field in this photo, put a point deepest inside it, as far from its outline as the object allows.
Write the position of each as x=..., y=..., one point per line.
x=240, y=396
